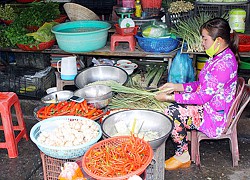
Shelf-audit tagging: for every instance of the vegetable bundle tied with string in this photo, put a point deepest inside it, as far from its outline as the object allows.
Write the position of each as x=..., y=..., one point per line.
x=133, y=98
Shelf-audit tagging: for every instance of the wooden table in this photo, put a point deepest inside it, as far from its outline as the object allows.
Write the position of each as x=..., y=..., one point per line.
x=120, y=51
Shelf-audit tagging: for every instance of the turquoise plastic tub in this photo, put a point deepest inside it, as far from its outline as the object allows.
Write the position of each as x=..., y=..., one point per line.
x=81, y=36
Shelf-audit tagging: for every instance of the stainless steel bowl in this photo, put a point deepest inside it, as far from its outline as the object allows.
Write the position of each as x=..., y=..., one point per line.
x=120, y=10
x=98, y=95
x=100, y=73
x=35, y=112
x=152, y=121
x=57, y=96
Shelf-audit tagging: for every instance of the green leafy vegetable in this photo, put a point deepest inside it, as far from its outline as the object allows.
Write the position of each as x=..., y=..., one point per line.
x=7, y=12
x=17, y=35
x=44, y=34
x=33, y=14
x=38, y=13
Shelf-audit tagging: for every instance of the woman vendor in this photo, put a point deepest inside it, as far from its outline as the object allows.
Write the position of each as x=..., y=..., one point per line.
x=203, y=105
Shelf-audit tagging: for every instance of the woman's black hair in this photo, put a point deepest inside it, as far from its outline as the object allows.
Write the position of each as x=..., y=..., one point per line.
x=219, y=27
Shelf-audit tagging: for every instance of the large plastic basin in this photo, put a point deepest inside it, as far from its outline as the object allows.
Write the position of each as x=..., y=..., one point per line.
x=81, y=36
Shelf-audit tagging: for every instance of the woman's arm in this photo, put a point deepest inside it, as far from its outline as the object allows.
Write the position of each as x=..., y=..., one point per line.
x=169, y=88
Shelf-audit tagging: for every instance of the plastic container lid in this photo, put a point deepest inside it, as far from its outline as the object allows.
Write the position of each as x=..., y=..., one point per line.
x=237, y=12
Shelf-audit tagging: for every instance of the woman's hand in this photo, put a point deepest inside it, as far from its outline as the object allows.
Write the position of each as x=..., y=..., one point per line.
x=169, y=88
x=163, y=97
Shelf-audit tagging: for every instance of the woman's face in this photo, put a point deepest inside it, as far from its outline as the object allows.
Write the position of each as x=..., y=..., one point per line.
x=207, y=40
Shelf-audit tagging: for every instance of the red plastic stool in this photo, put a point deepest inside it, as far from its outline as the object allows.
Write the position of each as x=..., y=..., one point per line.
x=7, y=100
x=116, y=38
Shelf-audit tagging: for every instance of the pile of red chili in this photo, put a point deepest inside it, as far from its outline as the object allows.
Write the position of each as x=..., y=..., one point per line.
x=119, y=158
x=69, y=108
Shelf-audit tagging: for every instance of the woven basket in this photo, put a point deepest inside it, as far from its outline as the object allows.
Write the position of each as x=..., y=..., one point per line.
x=77, y=12
x=39, y=47
x=7, y=22
x=65, y=152
x=157, y=45
x=110, y=143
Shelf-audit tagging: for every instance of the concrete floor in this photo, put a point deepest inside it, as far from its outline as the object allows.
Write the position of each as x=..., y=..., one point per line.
x=215, y=157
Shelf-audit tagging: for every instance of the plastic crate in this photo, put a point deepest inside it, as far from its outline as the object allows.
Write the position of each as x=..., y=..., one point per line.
x=173, y=19
x=219, y=9
x=155, y=170
x=52, y=166
x=229, y=7
x=244, y=43
x=22, y=81
x=215, y=10
x=29, y=60
x=151, y=12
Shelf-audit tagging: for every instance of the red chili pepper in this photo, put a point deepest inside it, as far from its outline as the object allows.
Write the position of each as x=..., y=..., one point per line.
x=85, y=106
x=48, y=109
x=90, y=113
x=41, y=110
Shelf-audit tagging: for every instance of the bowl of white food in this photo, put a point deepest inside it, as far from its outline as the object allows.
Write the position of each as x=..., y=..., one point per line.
x=129, y=67
x=153, y=126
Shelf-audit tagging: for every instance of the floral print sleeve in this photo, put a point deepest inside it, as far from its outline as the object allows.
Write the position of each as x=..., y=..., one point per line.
x=191, y=86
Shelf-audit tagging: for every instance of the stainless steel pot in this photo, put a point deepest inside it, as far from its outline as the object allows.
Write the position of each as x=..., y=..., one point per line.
x=100, y=73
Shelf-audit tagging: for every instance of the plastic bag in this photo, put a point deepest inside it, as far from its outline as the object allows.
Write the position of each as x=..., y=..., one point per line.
x=155, y=29
x=181, y=70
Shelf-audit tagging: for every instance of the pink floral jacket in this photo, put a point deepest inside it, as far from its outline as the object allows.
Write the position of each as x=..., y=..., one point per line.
x=215, y=91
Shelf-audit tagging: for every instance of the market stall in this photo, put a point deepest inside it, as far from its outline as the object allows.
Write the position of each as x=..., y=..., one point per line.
x=122, y=80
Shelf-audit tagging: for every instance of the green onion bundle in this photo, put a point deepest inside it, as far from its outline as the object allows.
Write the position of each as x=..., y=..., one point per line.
x=188, y=30
x=132, y=98
x=116, y=87
x=135, y=101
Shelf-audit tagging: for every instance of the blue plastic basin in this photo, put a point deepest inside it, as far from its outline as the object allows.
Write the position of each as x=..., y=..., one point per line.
x=81, y=36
